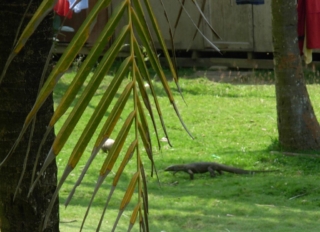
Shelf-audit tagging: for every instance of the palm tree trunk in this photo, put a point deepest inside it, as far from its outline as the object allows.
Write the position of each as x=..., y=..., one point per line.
x=298, y=127
x=17, y=95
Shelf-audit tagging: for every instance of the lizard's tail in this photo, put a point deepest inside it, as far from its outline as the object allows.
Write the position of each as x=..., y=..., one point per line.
x=260, y=171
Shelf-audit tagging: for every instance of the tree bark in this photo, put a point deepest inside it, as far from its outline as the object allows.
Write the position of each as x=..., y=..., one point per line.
x=18, y=92
x=298, y=127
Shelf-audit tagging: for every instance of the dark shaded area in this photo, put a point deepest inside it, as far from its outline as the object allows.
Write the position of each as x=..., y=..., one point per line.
x=18, y=91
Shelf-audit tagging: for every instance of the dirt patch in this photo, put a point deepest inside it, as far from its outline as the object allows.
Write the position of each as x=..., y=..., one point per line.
x=236, y=76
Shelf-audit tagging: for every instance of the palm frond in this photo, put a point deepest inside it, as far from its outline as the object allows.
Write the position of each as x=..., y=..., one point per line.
x=135, y=28
x=197, y=28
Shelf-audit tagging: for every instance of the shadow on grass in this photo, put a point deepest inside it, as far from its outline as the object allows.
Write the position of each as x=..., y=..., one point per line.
x=265, y=201
x=84, y=191
x=240, y=202
x=203, y=87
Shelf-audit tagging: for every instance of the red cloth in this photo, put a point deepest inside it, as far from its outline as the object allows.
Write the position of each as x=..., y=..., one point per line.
x=62, y=8
x=309, y=23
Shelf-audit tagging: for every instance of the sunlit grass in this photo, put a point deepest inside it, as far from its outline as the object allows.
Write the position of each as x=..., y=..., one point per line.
x=232, y=124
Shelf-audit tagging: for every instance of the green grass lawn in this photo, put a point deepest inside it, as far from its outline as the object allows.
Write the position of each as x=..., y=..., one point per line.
x=232, y=124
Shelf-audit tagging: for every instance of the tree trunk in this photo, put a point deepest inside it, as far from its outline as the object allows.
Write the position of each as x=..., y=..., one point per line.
x=17, y=93
x=298, y=127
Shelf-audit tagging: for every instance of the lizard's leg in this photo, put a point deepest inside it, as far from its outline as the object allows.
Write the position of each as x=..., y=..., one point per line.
x=211, y=170
x=191, y=174
x=219, y=171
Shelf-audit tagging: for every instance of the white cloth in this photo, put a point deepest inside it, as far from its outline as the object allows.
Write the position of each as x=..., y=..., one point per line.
x=83, y=4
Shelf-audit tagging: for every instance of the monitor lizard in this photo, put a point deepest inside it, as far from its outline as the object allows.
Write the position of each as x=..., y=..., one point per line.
x=211, y=167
